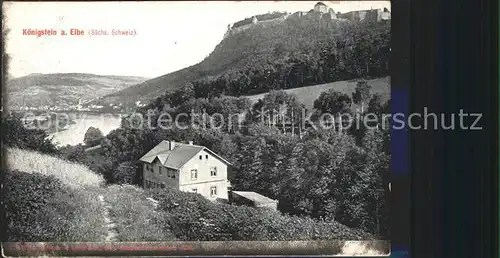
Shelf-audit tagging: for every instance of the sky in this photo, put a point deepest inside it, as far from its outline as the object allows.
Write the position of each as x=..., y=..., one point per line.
x=169, y=35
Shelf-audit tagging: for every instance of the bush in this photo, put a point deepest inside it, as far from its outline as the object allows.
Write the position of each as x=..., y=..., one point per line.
x=41, y=208
x=92, y=137
x=191, y=217
x=72, y=153
x=125, y=173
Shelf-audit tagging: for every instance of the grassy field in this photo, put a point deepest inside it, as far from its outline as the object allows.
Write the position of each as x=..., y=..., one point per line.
x=64, y=199
x=71, y=174
x=307, y=95
x=135, y=217
x=40, y=208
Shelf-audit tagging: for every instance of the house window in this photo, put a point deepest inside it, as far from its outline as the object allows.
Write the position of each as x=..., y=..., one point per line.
x=159, y=170
x=171, y=173
x=194, y=190
x=206, y=156
x=213, y=171
x=194, y=174
x=201, y=157
x=213, y=190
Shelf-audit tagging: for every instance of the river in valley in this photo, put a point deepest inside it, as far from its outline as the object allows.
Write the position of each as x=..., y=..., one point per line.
x=74, y=133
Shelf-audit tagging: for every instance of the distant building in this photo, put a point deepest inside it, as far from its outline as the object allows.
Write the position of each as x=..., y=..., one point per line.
x=320, y=7
x=332, y=14
x=373, y=15
x=300, y=13
x=187, y=167
x=385, y=15
x=252, y=199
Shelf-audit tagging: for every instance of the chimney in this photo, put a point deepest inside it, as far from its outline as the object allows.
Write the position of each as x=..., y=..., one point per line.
x=172, y=145
x=190, y=142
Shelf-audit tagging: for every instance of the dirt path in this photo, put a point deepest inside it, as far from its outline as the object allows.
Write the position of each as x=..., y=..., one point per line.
x=112, y=233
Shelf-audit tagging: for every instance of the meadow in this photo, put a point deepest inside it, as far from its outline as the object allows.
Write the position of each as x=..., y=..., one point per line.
x=135, y=216
x=49, y=199
x=71, y=174
x=308, y=94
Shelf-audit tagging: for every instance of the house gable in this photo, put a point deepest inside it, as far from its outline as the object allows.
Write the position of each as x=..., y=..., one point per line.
x=203, y=163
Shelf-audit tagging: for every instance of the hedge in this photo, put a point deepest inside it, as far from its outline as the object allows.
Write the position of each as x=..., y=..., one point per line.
x=191, y=217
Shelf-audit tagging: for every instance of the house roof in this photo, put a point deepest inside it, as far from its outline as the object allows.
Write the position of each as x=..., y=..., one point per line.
x=177, y=157
x=255, y=197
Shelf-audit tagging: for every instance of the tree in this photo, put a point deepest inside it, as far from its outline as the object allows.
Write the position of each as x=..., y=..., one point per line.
x=375, y=108
x=93, y=137
x=376, y=174
x=333, y=102
x=185, y=93
x=73, y=153
x=375, y=104
x=125, y=173
x=361, y=94
x=16, y=133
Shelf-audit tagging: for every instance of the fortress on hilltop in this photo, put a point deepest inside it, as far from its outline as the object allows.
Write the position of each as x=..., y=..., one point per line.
x=372, y=15
x=254, y=20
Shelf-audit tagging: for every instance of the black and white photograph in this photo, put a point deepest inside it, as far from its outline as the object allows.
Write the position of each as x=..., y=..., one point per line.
x=200, y=122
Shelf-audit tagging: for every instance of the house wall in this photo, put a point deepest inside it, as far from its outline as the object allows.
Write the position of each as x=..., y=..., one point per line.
x=156, y=177
x=239, y=200
x=272, y=206
x=204, y=181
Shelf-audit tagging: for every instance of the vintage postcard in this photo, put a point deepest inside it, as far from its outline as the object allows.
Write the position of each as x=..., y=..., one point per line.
x=196, y=128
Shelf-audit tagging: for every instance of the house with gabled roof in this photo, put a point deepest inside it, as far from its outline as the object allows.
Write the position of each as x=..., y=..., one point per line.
x=187, y=167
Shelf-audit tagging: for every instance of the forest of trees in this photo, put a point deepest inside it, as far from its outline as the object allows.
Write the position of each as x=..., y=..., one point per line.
x=297, y=52
x=352, y=50
x=341, y=176
x=316, y=50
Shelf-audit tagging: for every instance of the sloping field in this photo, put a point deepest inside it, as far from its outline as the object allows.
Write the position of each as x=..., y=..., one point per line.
x=308, y=94
x=71, y=174
x=135, y=215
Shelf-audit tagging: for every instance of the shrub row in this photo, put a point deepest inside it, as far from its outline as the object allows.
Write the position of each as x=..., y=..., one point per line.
x=40, y=208
x=191, y=217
